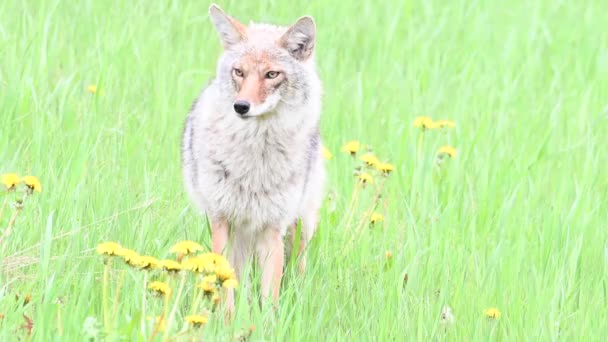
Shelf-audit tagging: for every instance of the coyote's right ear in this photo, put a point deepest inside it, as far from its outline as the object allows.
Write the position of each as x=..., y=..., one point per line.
x=230, y=30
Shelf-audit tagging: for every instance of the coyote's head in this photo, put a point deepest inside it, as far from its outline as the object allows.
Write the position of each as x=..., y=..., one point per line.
x=264, y=67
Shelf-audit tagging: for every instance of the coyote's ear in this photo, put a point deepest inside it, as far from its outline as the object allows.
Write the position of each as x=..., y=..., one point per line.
x=299, y=39
x=230, y=30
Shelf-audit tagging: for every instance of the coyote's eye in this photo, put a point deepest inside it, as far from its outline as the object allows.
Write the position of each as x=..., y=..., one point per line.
x=272, y=74
x=237, y=72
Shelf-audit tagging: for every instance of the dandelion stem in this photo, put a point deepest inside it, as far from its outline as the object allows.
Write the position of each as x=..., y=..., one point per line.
x=373, y=207
x=9, y=228
x=156, y=327
x=167, y=298
x=353, y=201
x=143, y=305
x=197, y=297
x=4, y=203
x=59, y=324
x=117, y=296
x=106, y=276
x=175, y=303
x=420, y=142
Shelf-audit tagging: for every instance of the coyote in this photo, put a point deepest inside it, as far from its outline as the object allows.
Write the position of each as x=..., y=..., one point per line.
x=251, y=148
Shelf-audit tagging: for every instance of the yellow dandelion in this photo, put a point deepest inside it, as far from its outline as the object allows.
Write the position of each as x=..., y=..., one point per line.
x=230, y=283
x=129, y=256
x=197, y=264
x=385, y=168
x=160, y=288
x=186, y=247
x=148, y=262
x=225, y=273
x=210, y=279
x=326, y=153
x=209, y=285
x=365, y=177
x=208, y=288
x=92, y=88
x=205, y=263
x=376, y=217
x=423, y=122
x=493, y=313
x=432, y=125
x=32, y=183
x=122, y=252
x=370, y=159
x=445, y=123
x=108, y=248
x=351, y=147
x=170, y=265
x=447, y=150
x=388, y=255
x=217, y=260
x=197, y=320
x=10, y=180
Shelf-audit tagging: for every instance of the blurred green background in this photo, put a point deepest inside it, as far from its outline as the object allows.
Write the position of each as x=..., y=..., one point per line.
x=517, y=221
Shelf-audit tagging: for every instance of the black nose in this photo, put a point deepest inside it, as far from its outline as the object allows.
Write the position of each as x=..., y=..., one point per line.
x=241, y=107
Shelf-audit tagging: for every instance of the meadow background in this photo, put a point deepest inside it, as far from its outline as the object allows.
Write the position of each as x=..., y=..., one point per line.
x=517, y=221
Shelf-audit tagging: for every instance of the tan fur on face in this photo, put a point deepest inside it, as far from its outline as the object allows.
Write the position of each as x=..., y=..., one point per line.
x=254, y=87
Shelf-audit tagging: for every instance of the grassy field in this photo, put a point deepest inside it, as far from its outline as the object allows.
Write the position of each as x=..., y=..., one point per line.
x=517, y=220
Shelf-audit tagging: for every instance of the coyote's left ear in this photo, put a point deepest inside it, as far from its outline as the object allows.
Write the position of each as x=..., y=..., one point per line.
x=299, y=39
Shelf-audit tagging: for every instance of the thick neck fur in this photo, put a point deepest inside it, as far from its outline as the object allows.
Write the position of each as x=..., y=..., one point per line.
x=258, y=143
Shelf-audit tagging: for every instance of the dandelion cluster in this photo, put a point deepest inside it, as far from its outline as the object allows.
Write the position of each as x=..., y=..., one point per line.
x=11, y=182
x=186, y=248
x=371, y=172
x=425, y=123
x=370, y=162
x=210, y=275
x=15, y=192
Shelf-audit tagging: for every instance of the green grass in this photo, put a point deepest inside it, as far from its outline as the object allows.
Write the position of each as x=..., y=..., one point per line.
x=517, y=221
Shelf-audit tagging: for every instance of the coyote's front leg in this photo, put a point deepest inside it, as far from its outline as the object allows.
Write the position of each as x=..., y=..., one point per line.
x=220, y=230
x=219, y=235
x=269, y=248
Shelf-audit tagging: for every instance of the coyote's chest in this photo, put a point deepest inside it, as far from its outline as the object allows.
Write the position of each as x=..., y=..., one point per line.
x=257, y=173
